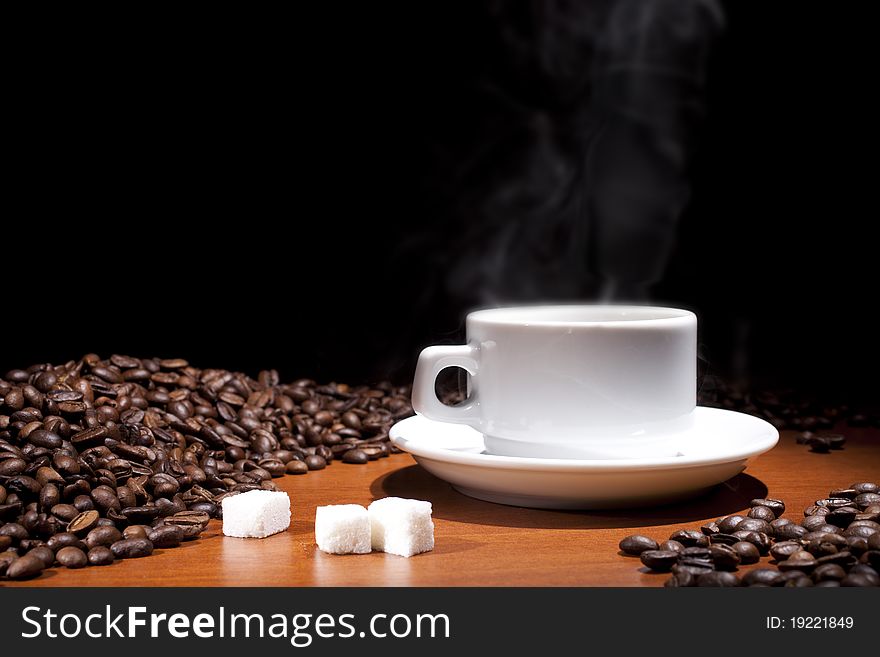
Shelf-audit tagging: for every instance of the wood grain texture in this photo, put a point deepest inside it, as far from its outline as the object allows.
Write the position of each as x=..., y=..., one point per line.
x=477, y=543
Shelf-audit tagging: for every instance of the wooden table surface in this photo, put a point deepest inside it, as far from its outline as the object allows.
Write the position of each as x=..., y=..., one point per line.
x=477, y=543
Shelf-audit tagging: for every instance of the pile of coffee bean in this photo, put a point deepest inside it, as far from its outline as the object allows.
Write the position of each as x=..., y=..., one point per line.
x=837, y=543
x=109, y=459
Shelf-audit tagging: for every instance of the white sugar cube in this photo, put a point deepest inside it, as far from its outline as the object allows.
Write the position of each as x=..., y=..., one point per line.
x=401, y=526
x=256, y=514
x=342, y=529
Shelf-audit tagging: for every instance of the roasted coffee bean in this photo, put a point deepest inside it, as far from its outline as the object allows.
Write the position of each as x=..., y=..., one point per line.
x=759, y=539
x=783, y=550
x=754, y=525
x=728, y=525
x=690, y=538
x=191, y=523
x=811, y=523
x=872, y=558
x=864, y=500
x=857, y=545
x=166, y=536
x=798, y=582
x=710, y=528
x=674, y=546
x=842, y=558
x=747, y=553
x=72, y=557
x=659, y=560
x=762, y=513
x=315, y=462
x=136, y=531
x=681, y=579
x=44, y=554
x=802, y=561
x=101, y=555
x=776, y=506
x=718, y=578
x=828, y=571
x=355, y=456
x=296, y=467
x=132, y=548
x=865, y=487
x=695, y=552
x=102, y=536
x=83, y=523
x=636, y=544
x=842, y=516
x=819, y=444
x=65, y=539
x=725, y=557
x=765, y=576
x=693, y=567
x=25, y=567
x=724, y=539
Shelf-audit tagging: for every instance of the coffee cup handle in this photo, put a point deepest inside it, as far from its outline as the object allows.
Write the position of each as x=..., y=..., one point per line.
x=432, y=361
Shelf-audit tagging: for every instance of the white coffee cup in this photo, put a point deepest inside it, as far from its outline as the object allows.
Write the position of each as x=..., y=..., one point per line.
x=577, y=381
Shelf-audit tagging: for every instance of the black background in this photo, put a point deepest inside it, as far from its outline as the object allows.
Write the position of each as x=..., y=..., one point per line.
x=268, y=194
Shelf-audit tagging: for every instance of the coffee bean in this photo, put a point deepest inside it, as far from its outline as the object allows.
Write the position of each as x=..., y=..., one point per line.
x=728, y=525
x=355, y=456
x=865, y=487
x=659, y=560
x=296, y=467
x=776, y=506
x=191, y=523
x=72, y=557
x=65, y=539
x=783, y=550
x=315, y=462
x=798, y=582
x=101, y=555
x=132, y=548
x=724, y=539
x=766, y=576
x=710, y=528
x=819, y=444
x=681, y=579
x=762, y=513
x=102, y=536
x=83, y=523
x=828, y=571
x=673, y=546
x=864, y=500
x=725, y=557
x=755, y=525
x=802, y=561
x=759, y=539
x=636, y=544
x=718, y=578
x=857, y=579
x=811, y=523
x=747, y=553
x=166, y=536
x=690, y=538
x=25, y=567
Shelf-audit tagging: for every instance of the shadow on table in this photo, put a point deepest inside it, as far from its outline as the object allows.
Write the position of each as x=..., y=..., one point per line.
x=414, y=481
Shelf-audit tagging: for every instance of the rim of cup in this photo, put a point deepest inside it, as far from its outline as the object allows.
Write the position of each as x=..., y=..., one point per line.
x=583, y=315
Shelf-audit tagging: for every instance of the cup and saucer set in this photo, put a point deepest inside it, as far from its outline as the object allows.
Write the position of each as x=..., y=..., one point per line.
x=577, y=407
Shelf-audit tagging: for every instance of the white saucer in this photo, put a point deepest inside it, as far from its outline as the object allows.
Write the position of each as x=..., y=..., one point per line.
x=718, y=447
